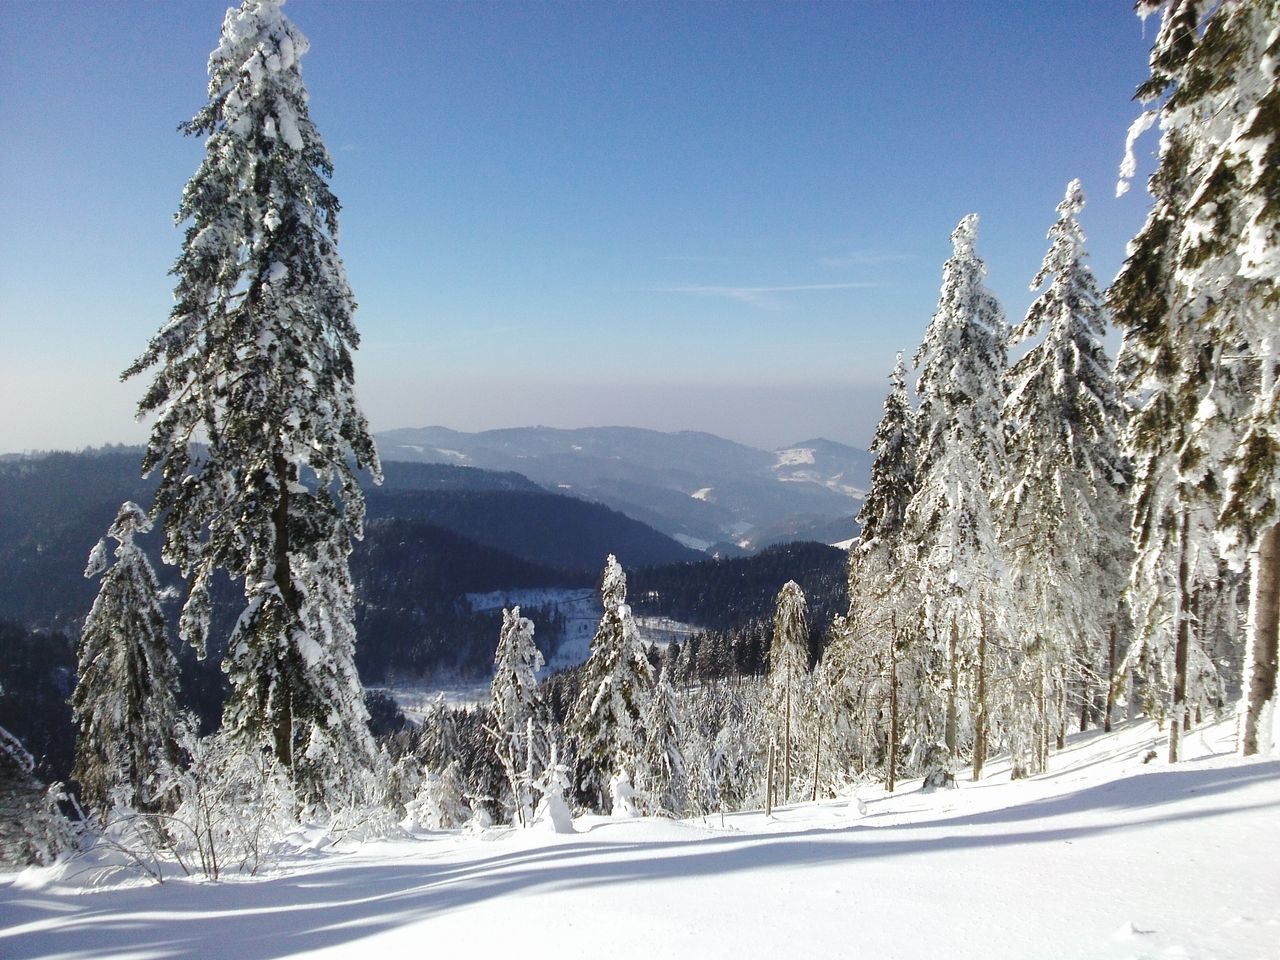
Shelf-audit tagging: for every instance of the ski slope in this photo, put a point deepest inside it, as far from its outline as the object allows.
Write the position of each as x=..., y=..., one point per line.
x=1105, y=856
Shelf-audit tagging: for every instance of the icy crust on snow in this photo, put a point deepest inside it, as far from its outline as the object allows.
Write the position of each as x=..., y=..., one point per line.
x=1103, y=858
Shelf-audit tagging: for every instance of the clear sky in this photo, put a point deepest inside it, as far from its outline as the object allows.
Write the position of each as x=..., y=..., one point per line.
x=722, y=217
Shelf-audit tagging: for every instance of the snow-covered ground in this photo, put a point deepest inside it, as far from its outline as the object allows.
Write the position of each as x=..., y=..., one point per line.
x=1103, y=857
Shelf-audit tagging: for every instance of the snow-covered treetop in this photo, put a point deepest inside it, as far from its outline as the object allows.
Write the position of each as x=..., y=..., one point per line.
x=893, y=471
x=964, y=236
x=613, y=584
x=790, y=647
x=130, y=521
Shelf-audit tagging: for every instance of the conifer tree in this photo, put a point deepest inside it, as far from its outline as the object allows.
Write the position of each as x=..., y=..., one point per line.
x=1063, y=515
x=661, y=777
x=871, y=654
x=123, y=704
x=1197, y=299
x=255, y=363
x=607, y=719
x=517, y=711
x=949, y=522
x=788, y=673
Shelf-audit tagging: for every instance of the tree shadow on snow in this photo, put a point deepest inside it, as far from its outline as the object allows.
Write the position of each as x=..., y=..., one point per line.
x=344, y=903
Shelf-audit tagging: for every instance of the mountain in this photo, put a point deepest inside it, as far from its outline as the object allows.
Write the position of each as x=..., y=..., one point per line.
x=707, y=492
x=54, y=507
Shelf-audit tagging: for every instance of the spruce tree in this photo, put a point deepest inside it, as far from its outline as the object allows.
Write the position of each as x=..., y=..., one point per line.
x=949, y=523
x=123, y=704
x=606, y=723
x=517, y=711
x=1063, y=514
x=874, y=651
x=788, y=675
x=661, y=777
x=255, y=364
x=1197, y=299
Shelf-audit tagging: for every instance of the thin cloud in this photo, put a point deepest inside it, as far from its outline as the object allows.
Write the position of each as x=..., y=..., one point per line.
x=758, y=296
x=865, y=259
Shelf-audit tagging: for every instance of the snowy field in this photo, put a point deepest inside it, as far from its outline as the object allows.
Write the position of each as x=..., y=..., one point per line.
x=1102, y=857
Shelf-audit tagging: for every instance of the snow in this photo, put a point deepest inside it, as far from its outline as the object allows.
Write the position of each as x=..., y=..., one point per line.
x=693, y=543
x=1103, y=857
x=795, y=457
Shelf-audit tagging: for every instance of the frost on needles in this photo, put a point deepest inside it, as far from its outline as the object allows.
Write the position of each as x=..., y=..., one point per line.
x=255, y=364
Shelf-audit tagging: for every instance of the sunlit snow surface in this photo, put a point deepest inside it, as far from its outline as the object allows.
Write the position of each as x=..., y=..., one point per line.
x=1103, y=857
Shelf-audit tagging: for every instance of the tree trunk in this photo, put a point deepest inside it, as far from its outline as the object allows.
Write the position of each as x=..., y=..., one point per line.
x=980, y=714
x=817, y=756
x=1062, y=707
x=1111, y=680
x=953, y=676
x=282, y=721
x=893, y=707
x=1261, y=645
x=786, y=744
x=768, y=789
x=1178, y=712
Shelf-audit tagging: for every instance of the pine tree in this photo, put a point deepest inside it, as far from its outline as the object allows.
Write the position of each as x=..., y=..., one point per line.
x=1197, y=299
x=949, y=522
x=1063, y=514
x=123, y=704
x=661, y=777
x=788, y=676
x=255, y=361
x=517, y=711
x=867, y=657
x=607, y=720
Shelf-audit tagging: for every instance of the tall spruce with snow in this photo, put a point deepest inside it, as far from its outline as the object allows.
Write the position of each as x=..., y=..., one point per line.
x=1063, y=514
x=788, y=687
x=255, y=361
x=517, y=711
x=949, y=522
x=661, y=777
x=1197, y=299
x=606, y=723
x=123, y=704
x=873, y=652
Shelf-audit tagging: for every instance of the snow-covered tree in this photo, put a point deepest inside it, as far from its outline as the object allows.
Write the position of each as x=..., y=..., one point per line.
x=788, y=682
x=661, y=777
x=1064, y=516
x=865, y=661
x=606, y=723
x=1197, y=299
x=949, y=522
x=517, y=711
x=255, y=363
x=123, y=704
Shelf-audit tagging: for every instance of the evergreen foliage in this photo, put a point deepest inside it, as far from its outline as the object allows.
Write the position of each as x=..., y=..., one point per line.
x=256, y=361
x=517, y=711
x=124, y=703
x=949, y=523
x=615, y=685
x=1063, y=514
x=1196, y=299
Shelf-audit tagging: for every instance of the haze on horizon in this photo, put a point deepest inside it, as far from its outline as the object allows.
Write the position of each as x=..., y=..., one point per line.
x=672, y=216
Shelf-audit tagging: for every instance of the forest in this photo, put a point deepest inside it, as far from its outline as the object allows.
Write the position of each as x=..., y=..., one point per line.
x=1053, y=543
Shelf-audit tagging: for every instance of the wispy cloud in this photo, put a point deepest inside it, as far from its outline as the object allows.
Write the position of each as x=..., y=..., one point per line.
x=758, y=296
x=863, y=258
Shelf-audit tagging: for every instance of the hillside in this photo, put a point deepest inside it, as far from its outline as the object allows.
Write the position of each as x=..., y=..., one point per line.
x=54, y=507
x=1104, y=857
x=706, y=491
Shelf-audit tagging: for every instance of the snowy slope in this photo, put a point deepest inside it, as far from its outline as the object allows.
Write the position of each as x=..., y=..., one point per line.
x=1103, y=857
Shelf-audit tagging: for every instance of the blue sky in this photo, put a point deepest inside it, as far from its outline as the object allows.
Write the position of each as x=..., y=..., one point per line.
x=723, y=217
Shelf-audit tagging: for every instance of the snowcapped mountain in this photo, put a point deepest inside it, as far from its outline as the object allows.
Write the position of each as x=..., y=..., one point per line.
x=708, y=492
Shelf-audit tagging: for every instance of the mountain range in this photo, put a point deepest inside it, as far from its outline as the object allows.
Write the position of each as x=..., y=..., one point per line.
x=709, y=493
